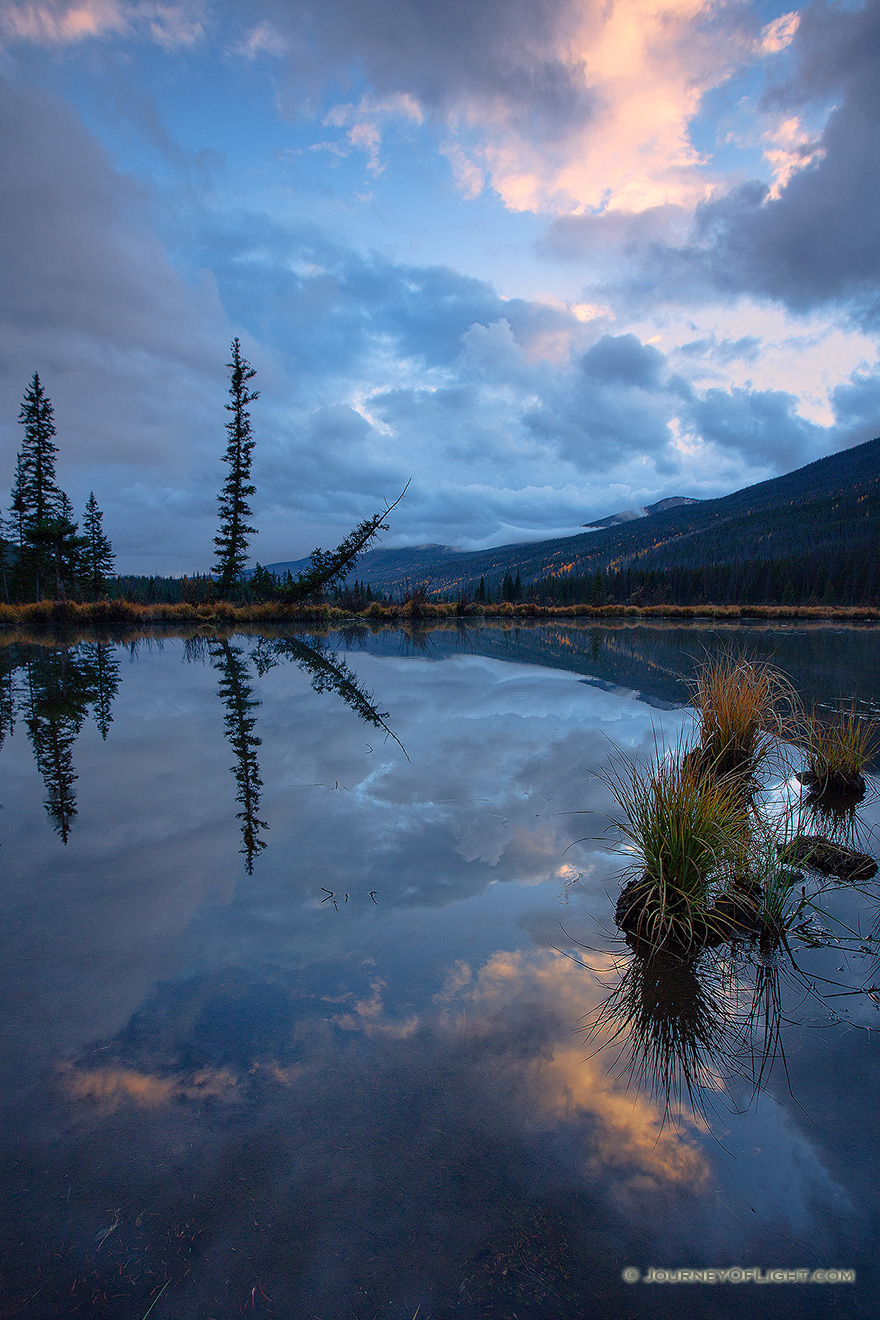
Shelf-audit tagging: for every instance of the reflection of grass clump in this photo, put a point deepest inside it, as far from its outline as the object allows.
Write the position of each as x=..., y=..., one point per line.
x=739, y=710
x=686, y=832
x=837, y=751
x=672, y=1024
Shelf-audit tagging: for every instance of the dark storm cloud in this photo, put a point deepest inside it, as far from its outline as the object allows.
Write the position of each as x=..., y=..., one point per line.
x=78, y=260
x=129, y=352
x=857, y=406
x=614, y=406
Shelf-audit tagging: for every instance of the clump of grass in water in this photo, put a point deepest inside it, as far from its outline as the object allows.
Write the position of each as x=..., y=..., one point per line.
x=741, y=712
x=688, y=833
x=837, y=751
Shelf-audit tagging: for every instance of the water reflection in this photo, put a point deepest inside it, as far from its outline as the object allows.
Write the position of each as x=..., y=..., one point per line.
x=223, y=1097
x=238, y=699
x=53, y=690
x=684, y=1024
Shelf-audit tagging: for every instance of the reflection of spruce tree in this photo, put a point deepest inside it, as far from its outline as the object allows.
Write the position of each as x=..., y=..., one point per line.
x=57, y=700
x=238, y=698
x=101, y=668
x=8, y=665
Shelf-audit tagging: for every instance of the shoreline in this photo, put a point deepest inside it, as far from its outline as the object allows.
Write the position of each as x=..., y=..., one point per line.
x=54, y=614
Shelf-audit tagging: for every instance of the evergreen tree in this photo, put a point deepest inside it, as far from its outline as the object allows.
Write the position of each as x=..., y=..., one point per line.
x=97, y=553
x=232, y=539
x=60, y=547
x=7, y=561
x=263, y=585
x=36, y=496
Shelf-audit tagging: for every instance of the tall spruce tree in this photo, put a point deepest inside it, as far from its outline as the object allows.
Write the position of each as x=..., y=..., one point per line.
x=96, y=565
x=232, y=539
x=58, y=540
x=36, y=497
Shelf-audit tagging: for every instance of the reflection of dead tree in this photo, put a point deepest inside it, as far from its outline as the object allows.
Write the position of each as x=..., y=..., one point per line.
x=329, y=674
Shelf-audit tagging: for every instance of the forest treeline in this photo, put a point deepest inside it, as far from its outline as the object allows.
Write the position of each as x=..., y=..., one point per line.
x=805, y=539
x=43, y=556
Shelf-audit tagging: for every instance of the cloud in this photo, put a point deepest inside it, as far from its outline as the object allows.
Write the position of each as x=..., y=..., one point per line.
x=517, y=417
x=558, y=106
x=129, y=351
x=810, y=236
x=623, y=360
x=62, y=22
x=755, y=422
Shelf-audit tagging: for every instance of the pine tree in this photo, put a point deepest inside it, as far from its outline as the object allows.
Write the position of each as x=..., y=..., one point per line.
x=232, y=539
x=97, y=553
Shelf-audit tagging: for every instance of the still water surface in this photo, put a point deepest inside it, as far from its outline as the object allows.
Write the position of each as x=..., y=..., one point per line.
x=302, y=937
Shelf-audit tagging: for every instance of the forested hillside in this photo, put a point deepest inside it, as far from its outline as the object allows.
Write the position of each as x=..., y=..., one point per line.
x=810, y=535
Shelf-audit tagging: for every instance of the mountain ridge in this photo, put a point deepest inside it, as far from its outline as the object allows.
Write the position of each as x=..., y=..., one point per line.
x=828, y=506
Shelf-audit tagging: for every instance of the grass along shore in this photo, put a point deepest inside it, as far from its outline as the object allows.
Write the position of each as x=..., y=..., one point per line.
x=53, y=613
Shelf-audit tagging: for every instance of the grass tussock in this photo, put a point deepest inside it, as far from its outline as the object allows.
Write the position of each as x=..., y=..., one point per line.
x=687, y=833
x=743, y=707
x=837, y=751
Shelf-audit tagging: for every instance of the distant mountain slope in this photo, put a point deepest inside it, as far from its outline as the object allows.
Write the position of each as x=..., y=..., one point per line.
x=829, y=506
x=645, y=511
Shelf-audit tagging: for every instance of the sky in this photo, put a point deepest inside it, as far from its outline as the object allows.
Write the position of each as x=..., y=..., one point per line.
x=543, y=259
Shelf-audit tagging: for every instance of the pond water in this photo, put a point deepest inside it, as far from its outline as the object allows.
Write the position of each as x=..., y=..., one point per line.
x=303, y=939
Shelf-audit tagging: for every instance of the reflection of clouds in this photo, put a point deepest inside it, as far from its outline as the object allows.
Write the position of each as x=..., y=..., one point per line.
x=627, y=1130
x=388, y=1127
x=112, y=1086
x=484, y=801
x=386, y=1085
